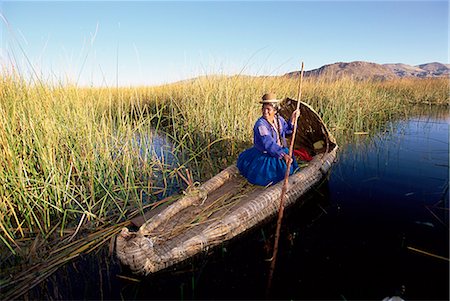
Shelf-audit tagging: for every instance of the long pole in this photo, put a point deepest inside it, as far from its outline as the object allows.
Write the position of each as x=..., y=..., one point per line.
x=284, y=188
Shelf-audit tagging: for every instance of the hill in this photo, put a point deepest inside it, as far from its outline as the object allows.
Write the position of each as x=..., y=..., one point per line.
x=365, y=70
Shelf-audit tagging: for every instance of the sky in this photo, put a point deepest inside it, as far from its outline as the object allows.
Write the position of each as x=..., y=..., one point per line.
x=121, y=43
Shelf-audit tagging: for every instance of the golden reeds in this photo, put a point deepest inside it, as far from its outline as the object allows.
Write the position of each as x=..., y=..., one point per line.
x=72, y=159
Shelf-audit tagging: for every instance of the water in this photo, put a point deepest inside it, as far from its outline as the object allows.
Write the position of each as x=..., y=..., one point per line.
x=153, y=147
x=353, y=238
x=384, y=197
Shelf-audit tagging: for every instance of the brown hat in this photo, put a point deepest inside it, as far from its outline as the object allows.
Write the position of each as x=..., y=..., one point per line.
x=270, y=98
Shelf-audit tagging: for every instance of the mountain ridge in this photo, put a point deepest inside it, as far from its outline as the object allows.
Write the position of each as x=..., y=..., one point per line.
x=362, y=70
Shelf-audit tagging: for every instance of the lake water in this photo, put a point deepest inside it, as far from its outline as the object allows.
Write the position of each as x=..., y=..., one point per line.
x=358, y=235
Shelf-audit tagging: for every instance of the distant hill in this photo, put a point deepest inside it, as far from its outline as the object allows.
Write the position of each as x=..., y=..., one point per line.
x=436, y=69
x=366, y=70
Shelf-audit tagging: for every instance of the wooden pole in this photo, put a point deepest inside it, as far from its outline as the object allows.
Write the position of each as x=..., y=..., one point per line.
x=284, y=188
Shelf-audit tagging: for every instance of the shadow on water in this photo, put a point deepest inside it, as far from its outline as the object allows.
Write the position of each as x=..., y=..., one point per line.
x=360, y=234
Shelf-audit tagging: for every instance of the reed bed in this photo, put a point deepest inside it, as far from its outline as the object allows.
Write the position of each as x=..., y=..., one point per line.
x=73, y=160
x=211, y=108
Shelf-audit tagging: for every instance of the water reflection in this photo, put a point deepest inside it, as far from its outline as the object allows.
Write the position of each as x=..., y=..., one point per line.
x=157, y=151
x=410, y=162
x=392, y=193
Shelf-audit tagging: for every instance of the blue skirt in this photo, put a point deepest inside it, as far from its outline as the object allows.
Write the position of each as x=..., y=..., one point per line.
x=261, y=169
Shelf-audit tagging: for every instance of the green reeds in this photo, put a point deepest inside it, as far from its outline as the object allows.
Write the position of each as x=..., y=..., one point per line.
x=69, y=157
x=210, y=108
x=69, y=152
x=70, y=162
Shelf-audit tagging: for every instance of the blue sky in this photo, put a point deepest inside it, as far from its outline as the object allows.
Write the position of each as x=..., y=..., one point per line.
x=149, y=42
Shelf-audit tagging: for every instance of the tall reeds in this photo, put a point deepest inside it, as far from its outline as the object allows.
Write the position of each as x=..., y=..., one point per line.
x=212, y=108
x=70, y=156
x=73, y=159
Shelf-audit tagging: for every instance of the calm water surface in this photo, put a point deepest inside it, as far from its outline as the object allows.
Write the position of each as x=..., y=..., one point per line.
x=355, y=237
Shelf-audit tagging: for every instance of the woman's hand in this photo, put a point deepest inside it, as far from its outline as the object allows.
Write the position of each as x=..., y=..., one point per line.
x=295, y=115
x=287, y=158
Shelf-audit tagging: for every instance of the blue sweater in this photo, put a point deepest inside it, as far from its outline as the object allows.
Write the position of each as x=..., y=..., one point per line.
x=265, y=136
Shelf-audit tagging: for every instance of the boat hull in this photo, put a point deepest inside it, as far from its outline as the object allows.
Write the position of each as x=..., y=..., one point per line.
x=153, y=248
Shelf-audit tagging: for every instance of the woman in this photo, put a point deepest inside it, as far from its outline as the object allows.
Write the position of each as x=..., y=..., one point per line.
x=266, y=162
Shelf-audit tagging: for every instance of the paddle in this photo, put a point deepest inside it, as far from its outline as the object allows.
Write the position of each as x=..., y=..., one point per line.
x=284, y=188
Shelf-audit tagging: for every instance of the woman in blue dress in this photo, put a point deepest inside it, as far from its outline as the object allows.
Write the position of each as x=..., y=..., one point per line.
x=266, y=161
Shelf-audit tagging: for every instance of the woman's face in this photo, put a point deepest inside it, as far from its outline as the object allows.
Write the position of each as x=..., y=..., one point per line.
x=268, y=111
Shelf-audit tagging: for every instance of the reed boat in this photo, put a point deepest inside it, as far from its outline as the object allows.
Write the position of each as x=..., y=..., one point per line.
x=225, y=206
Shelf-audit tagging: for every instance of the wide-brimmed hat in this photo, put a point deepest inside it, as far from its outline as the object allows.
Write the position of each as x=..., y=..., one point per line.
x=270, y=98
